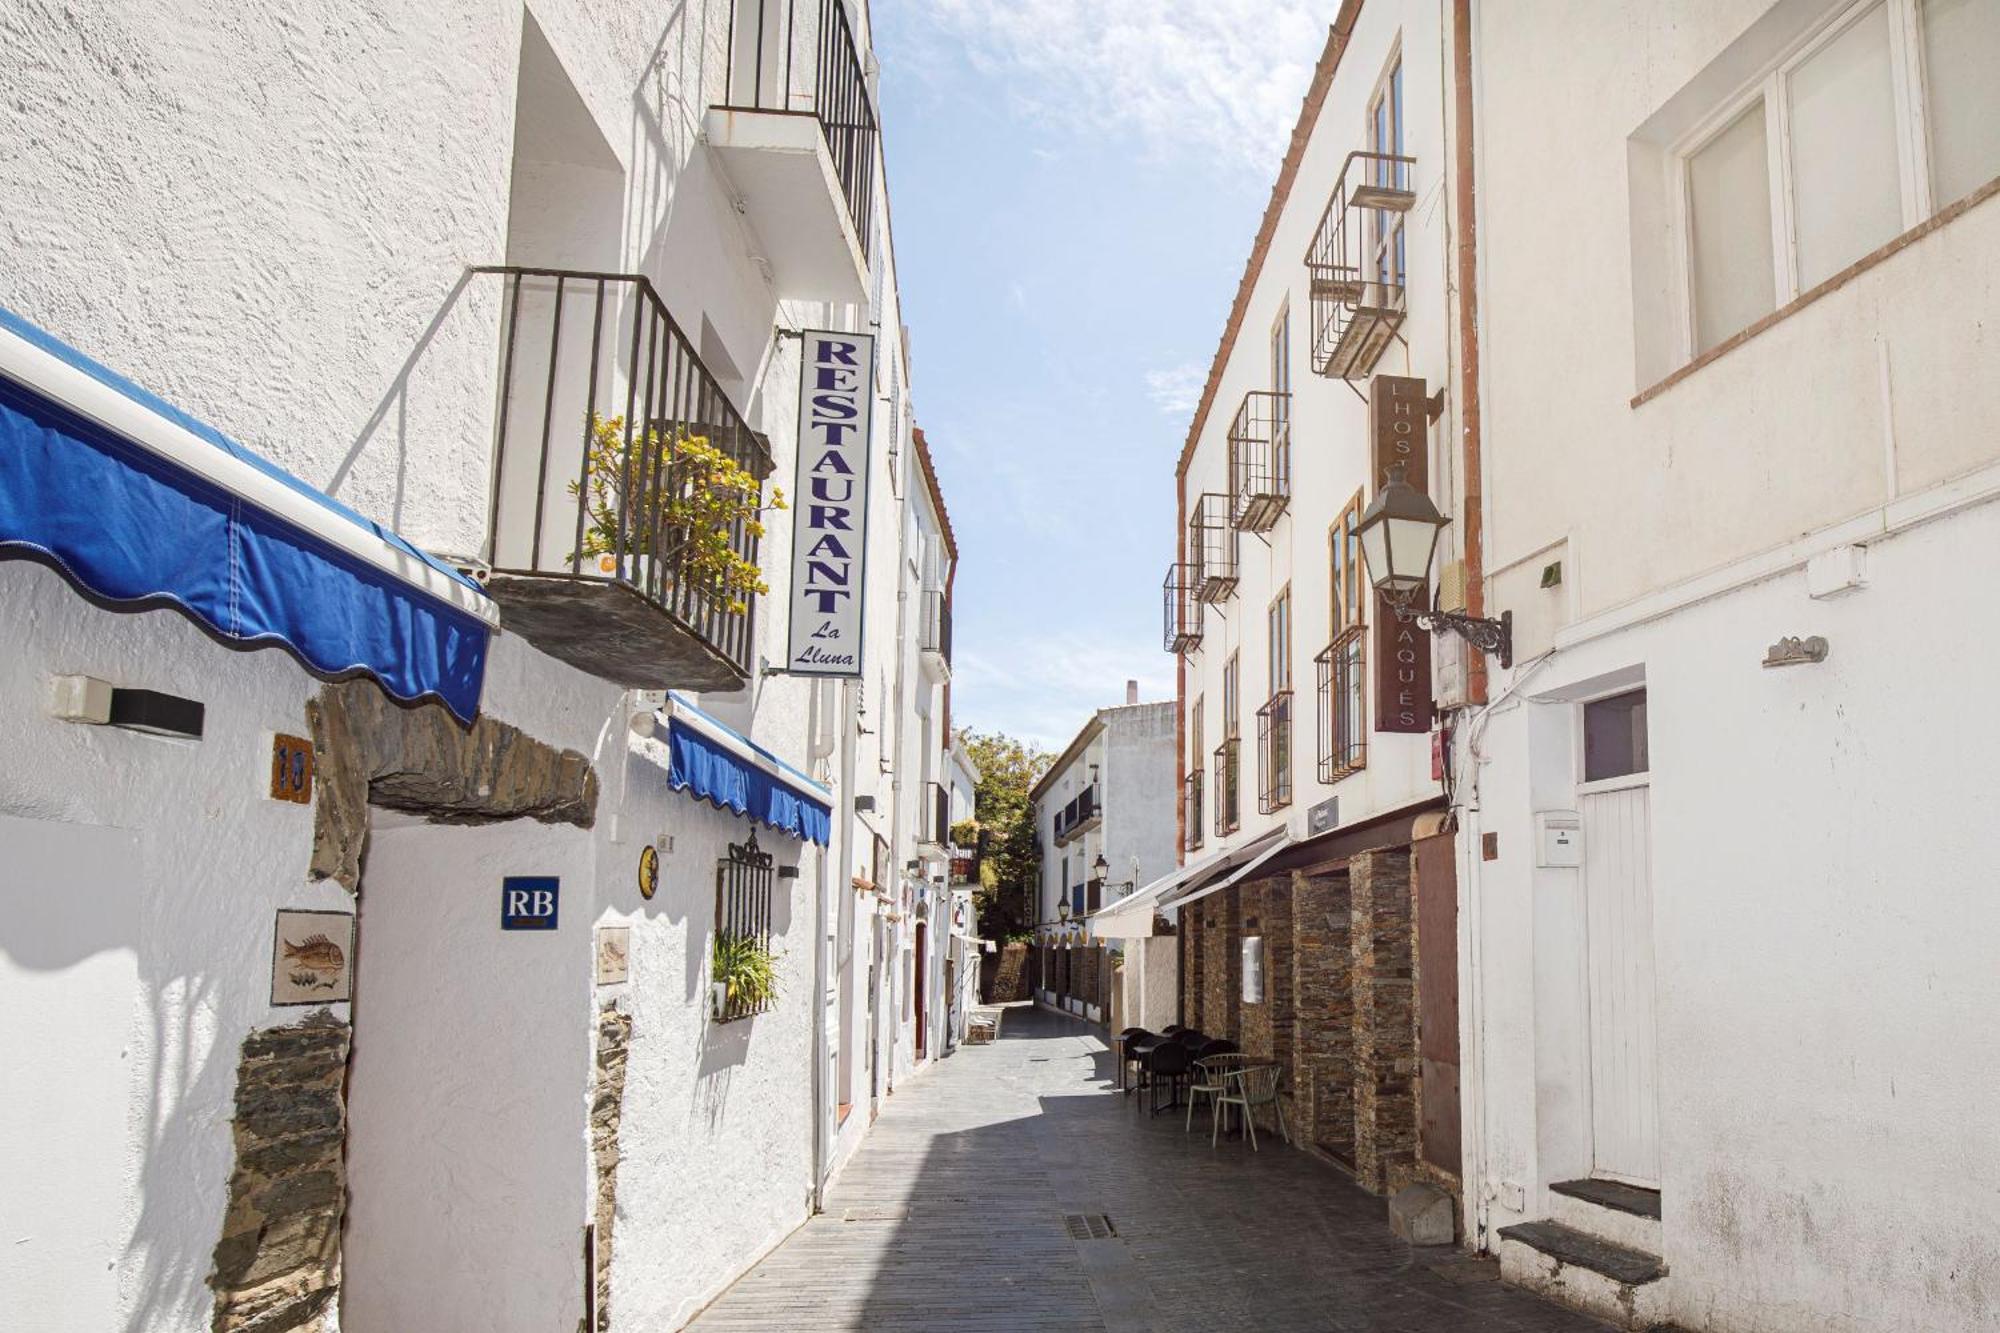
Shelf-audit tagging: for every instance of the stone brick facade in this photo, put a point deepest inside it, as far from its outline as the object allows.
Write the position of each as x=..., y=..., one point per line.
x=277, y=1266
x=1221, y=984
x=1385, y=1028
x=1322, y=967
x=607, y=1108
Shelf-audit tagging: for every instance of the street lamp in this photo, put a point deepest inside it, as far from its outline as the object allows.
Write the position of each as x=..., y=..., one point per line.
x=1399, y=535
x=1101, y=866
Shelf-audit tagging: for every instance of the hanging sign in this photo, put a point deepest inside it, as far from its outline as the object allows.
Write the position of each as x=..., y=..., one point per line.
x=1399, y=432
x=528, y=902
x=830, y=503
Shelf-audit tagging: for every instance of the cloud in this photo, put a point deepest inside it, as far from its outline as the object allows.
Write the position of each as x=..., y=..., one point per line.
x=1215, y=79
x=1176, y=391
x=1048, y=686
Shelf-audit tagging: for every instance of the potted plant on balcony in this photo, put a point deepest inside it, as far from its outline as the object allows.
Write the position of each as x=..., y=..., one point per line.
x=674, y=497
x=743, y=974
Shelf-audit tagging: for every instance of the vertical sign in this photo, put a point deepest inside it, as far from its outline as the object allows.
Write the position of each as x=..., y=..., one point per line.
x=1399, y=432
x=830, y=503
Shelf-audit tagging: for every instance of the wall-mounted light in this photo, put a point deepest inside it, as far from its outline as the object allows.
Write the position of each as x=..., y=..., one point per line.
x=100, y=703
x=1399, y=533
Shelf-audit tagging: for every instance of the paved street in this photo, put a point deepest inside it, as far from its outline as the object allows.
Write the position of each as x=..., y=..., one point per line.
x=952, y=1216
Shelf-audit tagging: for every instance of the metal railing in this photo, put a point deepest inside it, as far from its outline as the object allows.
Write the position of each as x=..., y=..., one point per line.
x=1356, y=265
x=1260, y=460
x=1081, y=809
x=1274, y=753
x=1228, y=811
x=1180, y=610
x=767, y=49
x=1191, y=796
x=743, y=882
x=600, y=392
x=1343, y=705
x=934, y=635
x=1211, y=547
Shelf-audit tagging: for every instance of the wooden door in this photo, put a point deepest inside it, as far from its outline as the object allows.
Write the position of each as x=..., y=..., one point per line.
x=1624, y=1062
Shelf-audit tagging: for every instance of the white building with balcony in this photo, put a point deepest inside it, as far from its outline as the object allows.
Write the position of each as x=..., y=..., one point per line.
x=396, y=749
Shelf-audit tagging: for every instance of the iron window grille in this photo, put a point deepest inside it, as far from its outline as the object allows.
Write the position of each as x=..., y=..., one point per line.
x=938, y=814
x=1192, y=795
x=1212, y=547
x=743, y=880
x=598, y=384
x=935, y=633
x=1228, y=816
x=1274, y=753
x=1356, y=281
x=1343, y=706
x=1180, y=610
x=1260, y=460
x=774, y=46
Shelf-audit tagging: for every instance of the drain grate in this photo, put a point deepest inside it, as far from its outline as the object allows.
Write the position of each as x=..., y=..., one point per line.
x=875, y=1214
x=1089, y=1226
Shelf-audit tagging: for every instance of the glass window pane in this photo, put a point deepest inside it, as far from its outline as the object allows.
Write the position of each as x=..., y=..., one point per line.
x=1961, y=55
x=1846, y=197
x=1614, y=737
x=1729, y=211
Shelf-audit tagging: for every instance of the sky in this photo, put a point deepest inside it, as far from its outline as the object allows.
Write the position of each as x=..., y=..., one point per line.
x=1074, y=186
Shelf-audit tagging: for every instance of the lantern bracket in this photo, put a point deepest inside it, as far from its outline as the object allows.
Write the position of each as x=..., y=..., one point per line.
x=1495, y=638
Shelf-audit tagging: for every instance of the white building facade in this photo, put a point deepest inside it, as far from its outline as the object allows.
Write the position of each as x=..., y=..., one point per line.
x=1727, y=995
x=410, y=709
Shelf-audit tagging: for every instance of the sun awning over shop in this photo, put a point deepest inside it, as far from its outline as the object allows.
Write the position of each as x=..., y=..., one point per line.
x=1243, y=862
x=714, y=762
x=141, y=504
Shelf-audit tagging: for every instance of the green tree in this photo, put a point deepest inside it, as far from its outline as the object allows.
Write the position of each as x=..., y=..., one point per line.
x=1010, y=862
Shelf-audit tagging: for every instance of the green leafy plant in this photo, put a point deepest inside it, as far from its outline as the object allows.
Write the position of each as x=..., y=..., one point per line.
x=686, y=499
x=745, y=969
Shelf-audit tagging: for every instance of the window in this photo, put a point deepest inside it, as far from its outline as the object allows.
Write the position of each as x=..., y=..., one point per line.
x=743, y=880
x=1614, y=737
x=1342, y=665
x=1231, y=723
x=1346, y=580
x=1281, y=371
x=1385, y=135
x=1227, y=769
x=1191, y=821
x=1879, y=119
x=1278, y=625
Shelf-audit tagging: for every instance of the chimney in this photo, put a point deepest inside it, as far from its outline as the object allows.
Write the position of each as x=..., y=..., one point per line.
x=1131, y=692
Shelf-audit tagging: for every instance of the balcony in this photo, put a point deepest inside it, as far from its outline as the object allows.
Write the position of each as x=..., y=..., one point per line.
x=1180, y=610
x=1260, y=460
x=1274, y=753
x=617, y=537
x=1343, y=706
x=1191, y=801
x=1228, y=813
x=934, y=817
x=1212, y=548
x=795, y=135
x=1357, y=265
x=934, y=636
x=1079, y=817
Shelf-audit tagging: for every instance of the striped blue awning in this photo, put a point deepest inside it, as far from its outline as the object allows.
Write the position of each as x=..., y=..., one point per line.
x=140, y=504
x=730, y=771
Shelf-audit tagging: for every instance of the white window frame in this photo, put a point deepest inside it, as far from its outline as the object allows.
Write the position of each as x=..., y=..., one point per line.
x=1772, y=88
x=1383, y=232
x=1624, y=781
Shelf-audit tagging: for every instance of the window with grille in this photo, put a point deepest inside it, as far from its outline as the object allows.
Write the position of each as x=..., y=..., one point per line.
x=743, y=880
x=1228, y=815
x=1343, y=706
x=1197, y=749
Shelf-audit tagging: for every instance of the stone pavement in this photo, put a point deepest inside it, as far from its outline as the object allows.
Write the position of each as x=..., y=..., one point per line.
x=952, y=1216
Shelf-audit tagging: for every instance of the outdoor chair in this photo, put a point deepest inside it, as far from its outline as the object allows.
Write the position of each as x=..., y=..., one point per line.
x=1128, y=1040
x=1167, y=1063
x=1210, y=1079
x=1250, y=1087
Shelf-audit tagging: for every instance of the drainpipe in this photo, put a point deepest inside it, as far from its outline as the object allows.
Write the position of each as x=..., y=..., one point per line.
x=817, y=705
x=1180, y=746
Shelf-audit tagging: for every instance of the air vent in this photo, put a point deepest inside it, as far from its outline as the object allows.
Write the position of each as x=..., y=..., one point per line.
x=1089, y=1226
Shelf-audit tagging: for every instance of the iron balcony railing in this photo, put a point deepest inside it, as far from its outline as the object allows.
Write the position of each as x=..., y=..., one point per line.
x=1274, y=753
x=1356, y=266
x=1228, y=813
x=1180, y=610
x=1343, y=705
x=935, y=634
x=1071, y=819
x=1212, y=547
x=601, y=395
x=783, y=60
x=1260, y=460
x=1191, y=795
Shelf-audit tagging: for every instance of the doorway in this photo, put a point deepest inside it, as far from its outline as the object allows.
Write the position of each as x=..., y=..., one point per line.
x=1614, y=803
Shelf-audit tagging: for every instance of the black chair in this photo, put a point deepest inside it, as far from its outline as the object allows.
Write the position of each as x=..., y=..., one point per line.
x=1216, y=1046
x=1127, y=1040
x=1167, y=1062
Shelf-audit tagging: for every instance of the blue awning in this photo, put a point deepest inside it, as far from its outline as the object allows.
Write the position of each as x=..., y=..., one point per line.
x=730, y=771
x=141, y=504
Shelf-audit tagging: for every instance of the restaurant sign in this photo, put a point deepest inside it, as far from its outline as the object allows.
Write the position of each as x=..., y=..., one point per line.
x=1399, y=432
x=830, y=503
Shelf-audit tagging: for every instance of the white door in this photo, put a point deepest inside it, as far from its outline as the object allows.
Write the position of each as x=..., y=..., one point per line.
x=1618, y=904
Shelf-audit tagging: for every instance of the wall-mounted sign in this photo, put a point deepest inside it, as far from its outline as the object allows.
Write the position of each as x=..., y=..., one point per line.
x=528, y=902
x=614, y=954
x=649, y=871
x=312, y=958
x=1323, y=816
x=830, y=503
x=291, y=769
x=1399, y=432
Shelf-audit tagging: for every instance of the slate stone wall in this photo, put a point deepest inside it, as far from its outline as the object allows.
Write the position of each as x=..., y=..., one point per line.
x=1385, y=1028
x=607, y=1106
x=1323, y=1032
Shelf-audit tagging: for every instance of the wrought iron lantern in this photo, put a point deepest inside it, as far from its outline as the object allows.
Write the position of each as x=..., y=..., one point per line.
x=1398, y=534
x=1101, y=866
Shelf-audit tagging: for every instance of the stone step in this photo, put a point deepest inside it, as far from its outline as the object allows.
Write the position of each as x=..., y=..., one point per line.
x=1622, y=1214
x=1613, y=1282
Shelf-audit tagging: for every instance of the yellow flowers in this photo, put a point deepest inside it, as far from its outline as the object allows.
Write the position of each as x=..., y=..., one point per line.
x=675, y=496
